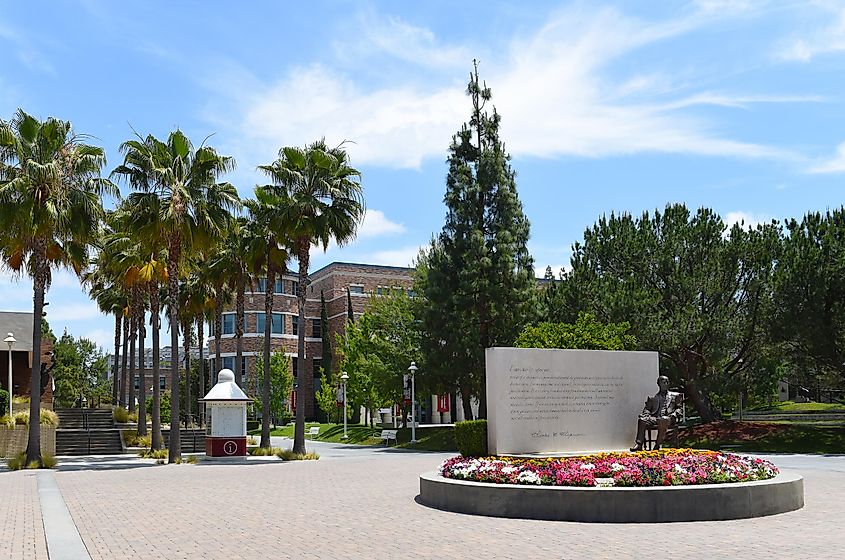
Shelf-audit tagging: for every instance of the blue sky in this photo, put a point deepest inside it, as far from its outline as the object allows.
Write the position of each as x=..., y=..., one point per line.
x=736, y=105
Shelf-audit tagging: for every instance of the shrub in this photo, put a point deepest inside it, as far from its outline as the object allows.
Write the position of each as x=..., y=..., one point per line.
x=157, y=454
x=49, y=418
x=121, y=415
x=4, y=400
x=264, y=451
x=471, y=438
x=587, y=333
x=17, y=462
x=22, y=418
x=48, y=461
x=20, y=399
x=192, y=459
x=7, y=421
x=288, y=455
x=164, y=406
x=252, y=440
x=132, y=439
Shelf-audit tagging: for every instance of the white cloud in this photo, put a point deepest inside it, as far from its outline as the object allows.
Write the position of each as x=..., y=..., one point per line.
x=404, y=256
x=103, y=337
x=835, y=164
x=403, y=41
x=747, y=219
x=60, y=312
x=376, y=224
x=550, y=86
x=820, y=40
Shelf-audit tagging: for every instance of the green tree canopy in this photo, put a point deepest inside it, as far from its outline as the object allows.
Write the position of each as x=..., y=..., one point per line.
x=586, y=333
x=691, y=289
x=477, y=277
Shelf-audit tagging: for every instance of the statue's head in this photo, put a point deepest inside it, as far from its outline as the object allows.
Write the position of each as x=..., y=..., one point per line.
x=663, y=383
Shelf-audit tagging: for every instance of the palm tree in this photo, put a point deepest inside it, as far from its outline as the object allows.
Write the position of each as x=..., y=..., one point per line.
x=111, y=300
x=322, y=199
x=235, y=260
x=50, y=212
x=267, y=223
x=193, y=208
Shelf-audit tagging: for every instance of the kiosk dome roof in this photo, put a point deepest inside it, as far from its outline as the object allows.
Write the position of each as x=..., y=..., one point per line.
x=226, y=389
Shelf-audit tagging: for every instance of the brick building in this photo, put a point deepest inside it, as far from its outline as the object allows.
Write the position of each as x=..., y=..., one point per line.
x=20, y=325
x=332, y=281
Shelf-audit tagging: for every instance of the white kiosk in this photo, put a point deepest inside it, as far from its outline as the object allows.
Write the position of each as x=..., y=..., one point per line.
x=225, y=415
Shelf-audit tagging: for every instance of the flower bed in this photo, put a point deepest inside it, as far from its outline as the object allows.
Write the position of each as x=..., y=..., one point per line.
x=669, y=467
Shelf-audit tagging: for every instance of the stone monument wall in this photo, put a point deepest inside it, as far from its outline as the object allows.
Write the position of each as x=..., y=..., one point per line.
x=550, y=401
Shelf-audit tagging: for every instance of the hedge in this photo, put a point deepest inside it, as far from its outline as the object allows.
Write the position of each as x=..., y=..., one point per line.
x=471, y=438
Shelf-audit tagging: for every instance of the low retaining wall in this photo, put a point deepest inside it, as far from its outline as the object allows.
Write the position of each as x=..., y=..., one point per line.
x=14, y=441
x=658, y=504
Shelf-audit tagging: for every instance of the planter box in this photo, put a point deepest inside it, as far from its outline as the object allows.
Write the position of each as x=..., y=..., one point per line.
x=14, y=441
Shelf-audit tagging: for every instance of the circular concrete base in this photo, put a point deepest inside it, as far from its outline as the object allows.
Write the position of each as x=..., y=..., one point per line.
x=657, y=504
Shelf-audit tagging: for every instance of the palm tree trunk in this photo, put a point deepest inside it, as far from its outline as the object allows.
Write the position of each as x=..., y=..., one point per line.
x=115, y=385
x=33, y=447
x=133, y=329
x=186, y=348
x=303, y=246
x=265, y=385
x=123, y=364
x=218, y=333
x=202, y=388
x=142, y=392
x=174, y=445
x=239, y=331
x=156, y=328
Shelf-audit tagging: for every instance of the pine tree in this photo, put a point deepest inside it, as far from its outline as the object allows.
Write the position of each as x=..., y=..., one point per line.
x=478, y=277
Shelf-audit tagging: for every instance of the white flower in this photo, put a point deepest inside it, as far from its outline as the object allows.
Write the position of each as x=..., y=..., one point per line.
x=528, y=477
x=616, y=467
x=588, y=466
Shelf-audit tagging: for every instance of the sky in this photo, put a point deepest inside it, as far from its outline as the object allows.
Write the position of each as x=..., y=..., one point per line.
x=606, y=107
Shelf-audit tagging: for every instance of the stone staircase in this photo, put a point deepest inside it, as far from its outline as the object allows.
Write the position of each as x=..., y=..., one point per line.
x=87, y=432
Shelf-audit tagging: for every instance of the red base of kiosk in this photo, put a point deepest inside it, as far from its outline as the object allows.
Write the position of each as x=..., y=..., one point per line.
x=225, y=446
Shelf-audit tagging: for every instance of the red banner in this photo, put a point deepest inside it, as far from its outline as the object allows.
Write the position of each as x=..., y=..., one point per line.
x=442, y=403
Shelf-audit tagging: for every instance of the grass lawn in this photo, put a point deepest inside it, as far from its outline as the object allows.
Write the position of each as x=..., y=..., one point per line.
x=771, y=437
x=428, y=439
x=787, y=407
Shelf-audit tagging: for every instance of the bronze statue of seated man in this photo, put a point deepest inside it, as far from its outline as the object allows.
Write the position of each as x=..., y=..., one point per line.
x=661, y=411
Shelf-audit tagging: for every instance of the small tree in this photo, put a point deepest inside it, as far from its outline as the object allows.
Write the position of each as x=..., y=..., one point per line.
x=281, y=383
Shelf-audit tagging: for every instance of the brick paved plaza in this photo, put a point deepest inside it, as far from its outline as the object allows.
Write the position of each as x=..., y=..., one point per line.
x=361, y=505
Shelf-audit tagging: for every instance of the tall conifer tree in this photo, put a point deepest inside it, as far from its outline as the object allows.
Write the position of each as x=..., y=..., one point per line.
x=478, y=277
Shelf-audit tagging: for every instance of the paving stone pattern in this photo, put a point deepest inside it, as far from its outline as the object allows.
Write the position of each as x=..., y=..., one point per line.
x=21, y=529
x=363, y=507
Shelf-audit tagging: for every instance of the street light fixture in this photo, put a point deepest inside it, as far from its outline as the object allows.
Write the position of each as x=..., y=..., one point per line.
x=344, y=377
x=10, y=340
x=413, y=370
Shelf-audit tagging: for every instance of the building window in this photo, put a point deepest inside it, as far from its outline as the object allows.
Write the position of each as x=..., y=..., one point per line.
x=356, y=289
x=381, y=291
x=276, y=328
x=229, y=363
x=316, y=368
x=261, y=285
x=228, y=323
x=316, y=332
x=162, y=382
x=294, y=287
x=294, y=324
x=295, y=367
x=137, y=382
x=279, y=286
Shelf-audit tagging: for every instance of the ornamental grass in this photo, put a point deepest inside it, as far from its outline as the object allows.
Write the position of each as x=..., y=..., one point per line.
x=671, y=467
